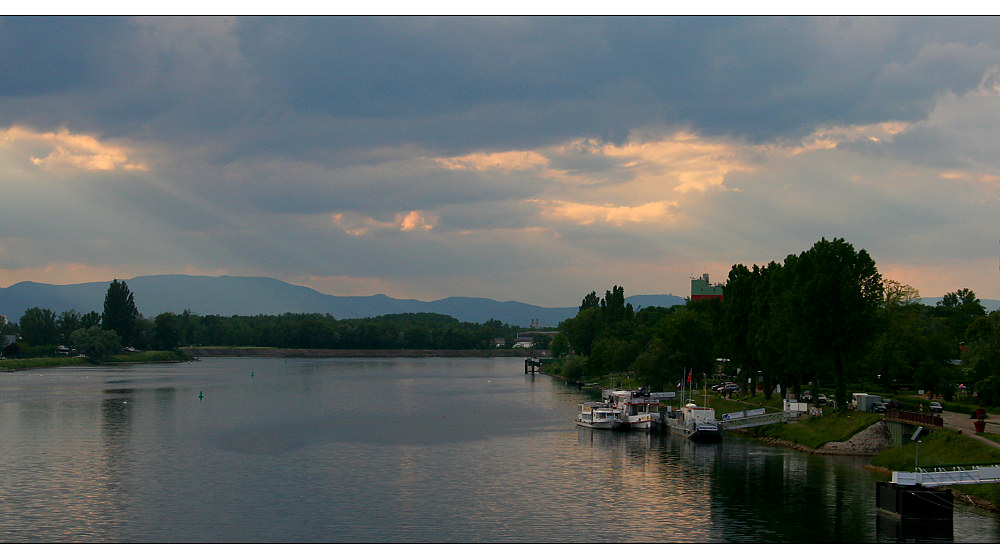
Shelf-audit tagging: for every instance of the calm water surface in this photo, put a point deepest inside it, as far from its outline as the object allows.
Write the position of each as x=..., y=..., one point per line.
x=394, y=450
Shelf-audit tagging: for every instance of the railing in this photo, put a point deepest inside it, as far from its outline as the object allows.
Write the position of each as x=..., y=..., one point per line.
x=948, y=475
x=756, y=420
x=929, y=419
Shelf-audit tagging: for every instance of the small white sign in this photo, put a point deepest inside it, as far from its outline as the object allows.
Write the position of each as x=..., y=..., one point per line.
x=751, y=413
x=733, y=415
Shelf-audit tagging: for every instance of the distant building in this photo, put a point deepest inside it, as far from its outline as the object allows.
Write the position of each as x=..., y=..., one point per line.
x=702, y=289
x=527, y=339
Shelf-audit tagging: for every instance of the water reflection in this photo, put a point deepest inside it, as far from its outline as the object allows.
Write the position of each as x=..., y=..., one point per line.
x=895, y=530
x=394, y=451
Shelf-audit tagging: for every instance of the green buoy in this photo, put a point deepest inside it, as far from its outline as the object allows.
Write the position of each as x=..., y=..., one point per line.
x=201, y=395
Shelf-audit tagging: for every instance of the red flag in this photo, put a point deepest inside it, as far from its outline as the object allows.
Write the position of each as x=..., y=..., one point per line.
x=689, y=376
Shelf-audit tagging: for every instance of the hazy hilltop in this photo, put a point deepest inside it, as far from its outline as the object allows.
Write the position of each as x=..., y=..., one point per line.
x=247, y=296
x=230, y=295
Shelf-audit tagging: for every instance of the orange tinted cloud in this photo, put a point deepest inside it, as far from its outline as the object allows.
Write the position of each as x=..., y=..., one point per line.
x=358, y=225
x=499, y=161
x=63, y=150
x=588, y=214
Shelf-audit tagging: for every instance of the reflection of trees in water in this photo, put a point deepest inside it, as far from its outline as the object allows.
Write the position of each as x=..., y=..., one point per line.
x=773, y=495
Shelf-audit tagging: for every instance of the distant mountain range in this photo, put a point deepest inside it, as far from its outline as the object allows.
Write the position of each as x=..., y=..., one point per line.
x=247, y=296
x=229, y=295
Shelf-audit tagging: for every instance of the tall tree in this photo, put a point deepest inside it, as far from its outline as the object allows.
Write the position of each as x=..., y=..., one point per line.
x=959, y=309
x=120, y=313
x=166, y=331
x=838, y=291
x=67, y=323
x=38, y=327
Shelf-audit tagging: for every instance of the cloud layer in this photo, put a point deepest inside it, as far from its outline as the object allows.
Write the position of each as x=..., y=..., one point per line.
x=515, y=158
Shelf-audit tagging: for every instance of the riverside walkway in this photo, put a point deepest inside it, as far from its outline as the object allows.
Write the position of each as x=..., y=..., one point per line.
x=962, y=422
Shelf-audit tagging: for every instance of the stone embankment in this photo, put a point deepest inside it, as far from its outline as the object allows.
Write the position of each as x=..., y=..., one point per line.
x=869, y=442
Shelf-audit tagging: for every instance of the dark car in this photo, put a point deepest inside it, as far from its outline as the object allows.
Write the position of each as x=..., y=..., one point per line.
x=936, y=407
x=892, y=405
x=878, y=408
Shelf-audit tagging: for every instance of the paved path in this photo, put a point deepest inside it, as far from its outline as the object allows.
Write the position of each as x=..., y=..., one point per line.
x=956, y=420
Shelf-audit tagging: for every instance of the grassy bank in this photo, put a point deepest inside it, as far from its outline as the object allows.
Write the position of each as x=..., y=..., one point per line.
x=816, y=431
x=124, y=358
x=812, y=432
x=232, y=351
x=40, y=363
x=946, y=447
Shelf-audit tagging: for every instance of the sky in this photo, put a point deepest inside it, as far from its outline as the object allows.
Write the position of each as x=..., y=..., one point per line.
x=514, y=158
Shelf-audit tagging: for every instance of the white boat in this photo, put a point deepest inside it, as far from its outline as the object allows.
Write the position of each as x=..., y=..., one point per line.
x=596, y=415
x=694, y=422
x=641, y=410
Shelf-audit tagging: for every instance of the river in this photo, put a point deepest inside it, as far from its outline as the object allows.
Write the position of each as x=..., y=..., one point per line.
x=395, y=451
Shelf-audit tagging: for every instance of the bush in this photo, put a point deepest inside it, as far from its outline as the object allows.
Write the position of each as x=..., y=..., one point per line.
x=573, y=368
x=96, y=343
x=34, y=351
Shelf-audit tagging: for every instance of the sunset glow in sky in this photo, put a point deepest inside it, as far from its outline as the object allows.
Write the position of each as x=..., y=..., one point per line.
x=534, y=159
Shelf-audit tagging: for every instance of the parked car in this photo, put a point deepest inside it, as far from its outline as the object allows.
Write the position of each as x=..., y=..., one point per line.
x=821, y=399
x=807, y=396
x=892, y=405
x=878, y=408
x=936, y=407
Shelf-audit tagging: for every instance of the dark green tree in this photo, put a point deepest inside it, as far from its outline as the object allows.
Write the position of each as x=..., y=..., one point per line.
x=959, y=309
x=120, y=313
x=90, y=319
x=67, y=323
x=38, y=327
x=737, y=305
x=982, y=357
x=837, y=292
x=583, y=329
x=560, y=345
x=166, y=331
x=96, y=343
x=590, y=301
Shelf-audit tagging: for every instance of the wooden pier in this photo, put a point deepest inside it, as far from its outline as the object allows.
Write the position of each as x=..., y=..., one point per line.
x=532, y=365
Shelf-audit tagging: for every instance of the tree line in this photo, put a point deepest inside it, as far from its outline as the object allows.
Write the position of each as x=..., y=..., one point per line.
x=824, y=317
x=121, y=325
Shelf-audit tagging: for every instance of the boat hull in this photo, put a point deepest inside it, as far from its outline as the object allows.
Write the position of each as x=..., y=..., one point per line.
x=616, y=425
x=641, y=423
x=698, y=434
x=705, y=436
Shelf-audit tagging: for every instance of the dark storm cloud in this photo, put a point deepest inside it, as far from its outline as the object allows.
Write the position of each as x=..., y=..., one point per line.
x=549, y=78
x=356, y=148
x=313, y=87
x=44, y=55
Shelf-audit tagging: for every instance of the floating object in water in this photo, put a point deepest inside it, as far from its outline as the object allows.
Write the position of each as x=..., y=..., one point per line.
x=201, y=395
x=251, y=374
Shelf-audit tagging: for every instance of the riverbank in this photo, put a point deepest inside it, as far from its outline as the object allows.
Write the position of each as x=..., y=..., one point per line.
x=868, y=442
x=198, y=352
x=13, y=365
